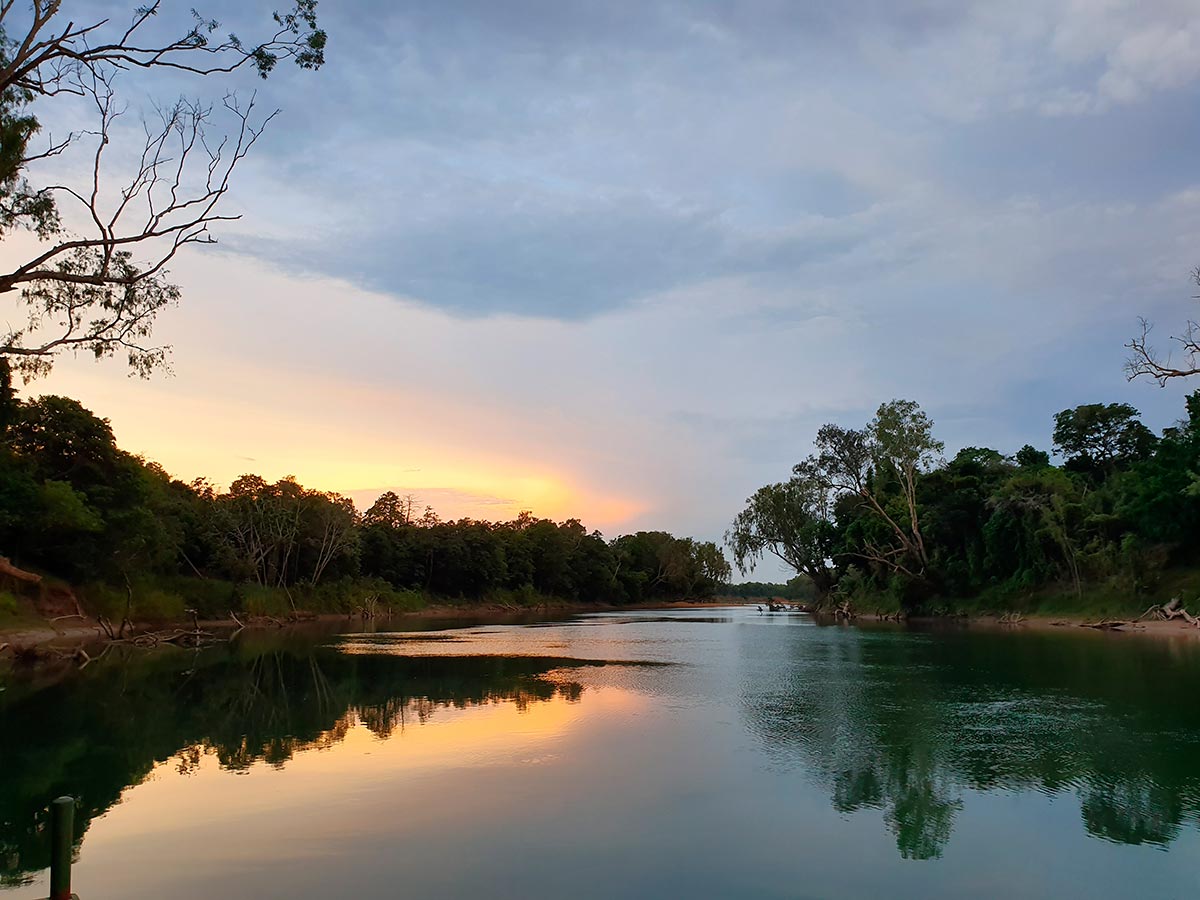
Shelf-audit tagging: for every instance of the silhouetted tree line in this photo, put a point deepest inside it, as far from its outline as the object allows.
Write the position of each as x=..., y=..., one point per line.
x=878, y=511
x=75, y=505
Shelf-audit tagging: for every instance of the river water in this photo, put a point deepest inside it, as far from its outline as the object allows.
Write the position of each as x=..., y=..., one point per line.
x=697, y=753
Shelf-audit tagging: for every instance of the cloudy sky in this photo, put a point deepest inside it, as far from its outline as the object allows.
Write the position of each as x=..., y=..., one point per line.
x=620, y=260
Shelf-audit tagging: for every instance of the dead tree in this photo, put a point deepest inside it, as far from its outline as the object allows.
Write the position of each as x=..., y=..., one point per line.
x=1145, y=360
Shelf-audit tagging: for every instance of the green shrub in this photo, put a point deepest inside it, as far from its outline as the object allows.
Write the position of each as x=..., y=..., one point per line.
x=152, y=604
x=349, y=595
x=406, y=601
x=258, y=600
x=143, y=601
x=10, y=605
x=210, y=597
x=104, y=600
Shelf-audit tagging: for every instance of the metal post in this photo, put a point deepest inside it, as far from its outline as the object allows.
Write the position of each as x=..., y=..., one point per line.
x=62, y=839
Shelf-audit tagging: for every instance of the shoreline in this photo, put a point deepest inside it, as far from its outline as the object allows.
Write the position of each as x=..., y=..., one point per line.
x=1160, y=628
x=19, y=636
x=82, y=632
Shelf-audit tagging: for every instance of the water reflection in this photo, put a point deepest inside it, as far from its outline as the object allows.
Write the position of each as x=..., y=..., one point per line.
x=92, y=734
x=728, y=755
x=910, y=724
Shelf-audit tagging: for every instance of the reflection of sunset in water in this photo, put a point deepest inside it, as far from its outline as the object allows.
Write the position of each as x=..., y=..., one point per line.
x=350, y=758
x=676, y=753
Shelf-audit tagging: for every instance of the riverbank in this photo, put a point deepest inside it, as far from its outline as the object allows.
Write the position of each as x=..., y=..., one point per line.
x=76, y=631
x=1175, y=628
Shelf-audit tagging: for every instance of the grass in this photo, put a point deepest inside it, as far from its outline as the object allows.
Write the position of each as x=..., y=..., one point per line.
x=168, y=598
x=144, y=600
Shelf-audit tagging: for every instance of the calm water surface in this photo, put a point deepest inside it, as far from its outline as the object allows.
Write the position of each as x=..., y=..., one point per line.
x=690, y=753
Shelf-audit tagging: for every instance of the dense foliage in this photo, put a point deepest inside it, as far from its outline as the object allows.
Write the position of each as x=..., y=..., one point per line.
x=878, y=512
x=73, y=504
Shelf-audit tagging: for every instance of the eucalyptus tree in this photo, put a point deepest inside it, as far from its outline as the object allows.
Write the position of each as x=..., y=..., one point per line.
x=791, y=521
x=880, y=466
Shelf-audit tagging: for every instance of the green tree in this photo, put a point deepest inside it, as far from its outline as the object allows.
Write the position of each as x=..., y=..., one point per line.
x=1098, y=438
x=792, y=521
x=390, y=510
x=1052, y=505
x=1029, y=457
x=880, y=467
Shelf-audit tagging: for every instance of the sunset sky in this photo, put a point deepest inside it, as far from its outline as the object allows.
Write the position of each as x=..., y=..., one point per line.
x=620, y=260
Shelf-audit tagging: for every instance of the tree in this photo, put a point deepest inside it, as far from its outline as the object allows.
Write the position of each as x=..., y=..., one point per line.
x=100, y=289
x=887, y=456
x=1029, y=457
x=793, y=522
x=1145, y=360
x=1050, y=503
x=905, y=447
x=329, y=521
x=1099, y=438
x=391, y=510
x=64, y=441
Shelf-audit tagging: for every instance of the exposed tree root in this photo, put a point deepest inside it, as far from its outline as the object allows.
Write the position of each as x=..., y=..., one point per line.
x=7, y=568
x=1169, y=611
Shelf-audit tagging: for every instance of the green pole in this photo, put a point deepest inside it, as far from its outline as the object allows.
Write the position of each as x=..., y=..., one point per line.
x=62, y=837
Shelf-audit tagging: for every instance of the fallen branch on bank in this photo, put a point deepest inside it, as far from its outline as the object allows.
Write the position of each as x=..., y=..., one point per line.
x=1109, y=624
x=1169, y=611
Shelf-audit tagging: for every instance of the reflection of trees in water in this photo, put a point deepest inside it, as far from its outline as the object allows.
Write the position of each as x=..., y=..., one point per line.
x=98, y=731
x=1133, y=811
x=905, y=723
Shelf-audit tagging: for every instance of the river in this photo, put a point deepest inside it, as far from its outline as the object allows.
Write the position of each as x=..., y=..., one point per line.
x=698, y=753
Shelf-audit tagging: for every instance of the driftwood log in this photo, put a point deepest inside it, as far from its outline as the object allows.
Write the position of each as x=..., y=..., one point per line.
x=1173, y=609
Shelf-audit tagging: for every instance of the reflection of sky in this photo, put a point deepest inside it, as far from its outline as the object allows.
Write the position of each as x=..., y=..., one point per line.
x=621, y=260
x=653, y=781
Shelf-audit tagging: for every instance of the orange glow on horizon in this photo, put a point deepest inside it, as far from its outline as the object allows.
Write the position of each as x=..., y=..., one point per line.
x=219, y=430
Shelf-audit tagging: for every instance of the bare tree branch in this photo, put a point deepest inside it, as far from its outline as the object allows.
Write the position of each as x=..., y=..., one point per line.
x=44, y=63
x=153, y=213
x=87, y=291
